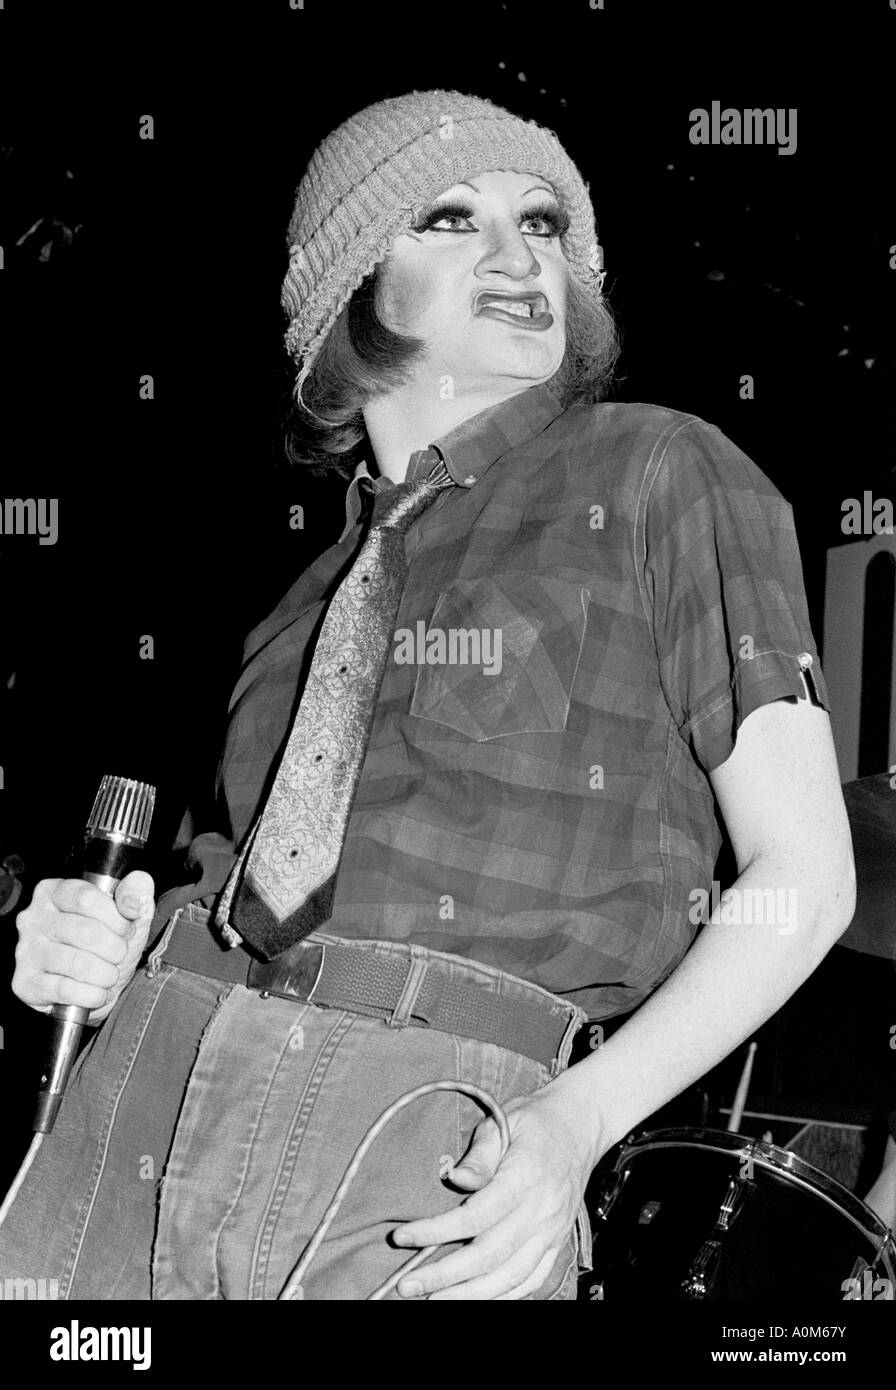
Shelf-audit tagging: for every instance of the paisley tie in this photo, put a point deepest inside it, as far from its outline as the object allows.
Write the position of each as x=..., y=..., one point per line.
x=282, y=885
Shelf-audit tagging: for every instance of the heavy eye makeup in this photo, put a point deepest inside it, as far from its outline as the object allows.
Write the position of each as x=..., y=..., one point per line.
x=555, y=220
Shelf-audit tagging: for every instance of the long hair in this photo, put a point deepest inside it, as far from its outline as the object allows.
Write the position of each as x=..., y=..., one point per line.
x=361, y=358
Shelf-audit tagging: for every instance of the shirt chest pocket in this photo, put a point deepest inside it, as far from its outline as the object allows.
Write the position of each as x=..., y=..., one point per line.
x=502, y=655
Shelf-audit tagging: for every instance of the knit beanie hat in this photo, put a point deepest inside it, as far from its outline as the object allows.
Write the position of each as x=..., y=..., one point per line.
x=373, y=175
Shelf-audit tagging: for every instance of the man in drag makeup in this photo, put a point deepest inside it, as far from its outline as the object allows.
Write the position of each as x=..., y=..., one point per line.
x=477, y=765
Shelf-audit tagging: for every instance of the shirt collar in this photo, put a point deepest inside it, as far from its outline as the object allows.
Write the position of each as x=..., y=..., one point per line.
x=469, y=449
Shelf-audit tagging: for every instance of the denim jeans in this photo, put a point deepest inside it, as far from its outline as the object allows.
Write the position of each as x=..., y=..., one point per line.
x=205, y=1129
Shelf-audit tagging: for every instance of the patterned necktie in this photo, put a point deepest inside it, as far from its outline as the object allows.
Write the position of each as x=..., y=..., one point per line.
x=282, y=885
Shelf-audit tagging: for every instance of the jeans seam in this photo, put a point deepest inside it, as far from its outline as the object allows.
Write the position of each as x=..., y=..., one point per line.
x=216, y=1260
x=458, y=1131
x=223, y=996
x=267, y=1226
x=87, y=1205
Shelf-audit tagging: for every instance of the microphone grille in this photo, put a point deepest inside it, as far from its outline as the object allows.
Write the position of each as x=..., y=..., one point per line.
x=122, y=807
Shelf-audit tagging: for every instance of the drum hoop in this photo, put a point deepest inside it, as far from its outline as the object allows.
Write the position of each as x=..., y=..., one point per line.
x=810, y=1179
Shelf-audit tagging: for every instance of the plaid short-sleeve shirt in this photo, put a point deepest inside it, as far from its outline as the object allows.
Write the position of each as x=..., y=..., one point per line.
x=588, y=618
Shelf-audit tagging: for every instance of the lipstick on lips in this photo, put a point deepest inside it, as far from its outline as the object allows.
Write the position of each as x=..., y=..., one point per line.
x=526, y=309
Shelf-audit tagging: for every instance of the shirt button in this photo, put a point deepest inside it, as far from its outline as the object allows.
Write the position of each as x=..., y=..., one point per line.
x=470, y=479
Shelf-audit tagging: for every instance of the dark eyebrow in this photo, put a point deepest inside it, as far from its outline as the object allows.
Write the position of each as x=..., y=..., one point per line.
x=536, y=188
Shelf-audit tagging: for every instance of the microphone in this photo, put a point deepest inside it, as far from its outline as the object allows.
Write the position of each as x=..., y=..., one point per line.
x=116, y=833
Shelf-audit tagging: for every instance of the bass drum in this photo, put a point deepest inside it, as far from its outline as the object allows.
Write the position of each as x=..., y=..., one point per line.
x=687, y=1214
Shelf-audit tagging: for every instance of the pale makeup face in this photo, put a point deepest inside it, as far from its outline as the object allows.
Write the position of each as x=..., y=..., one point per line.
x=481, y=278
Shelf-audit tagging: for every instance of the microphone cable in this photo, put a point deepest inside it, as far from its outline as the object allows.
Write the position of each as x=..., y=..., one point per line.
x=20, y=1176
x=293, y=1287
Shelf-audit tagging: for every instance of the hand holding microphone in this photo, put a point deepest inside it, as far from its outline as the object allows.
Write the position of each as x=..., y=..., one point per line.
x=80, y=940
x=77, y=950
x=79, y=946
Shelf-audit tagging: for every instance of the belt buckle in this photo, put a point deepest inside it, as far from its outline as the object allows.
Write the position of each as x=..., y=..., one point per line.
x=293, y=975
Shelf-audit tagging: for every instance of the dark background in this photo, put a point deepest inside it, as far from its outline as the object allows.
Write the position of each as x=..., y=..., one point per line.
x=125, y=257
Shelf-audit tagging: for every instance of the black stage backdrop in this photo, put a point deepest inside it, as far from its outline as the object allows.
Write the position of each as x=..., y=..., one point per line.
x=126, y=256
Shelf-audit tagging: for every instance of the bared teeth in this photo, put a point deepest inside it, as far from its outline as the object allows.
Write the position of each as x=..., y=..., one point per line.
x=523, y=308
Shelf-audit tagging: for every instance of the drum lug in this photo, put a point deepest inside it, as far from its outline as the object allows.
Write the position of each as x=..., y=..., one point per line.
x=703, y=1272
x=734, y=1200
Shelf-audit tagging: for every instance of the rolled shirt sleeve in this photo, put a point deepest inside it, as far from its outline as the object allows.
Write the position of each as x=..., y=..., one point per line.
x=730, y=617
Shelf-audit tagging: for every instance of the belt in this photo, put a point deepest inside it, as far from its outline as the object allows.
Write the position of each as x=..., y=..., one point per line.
x=398, y=986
